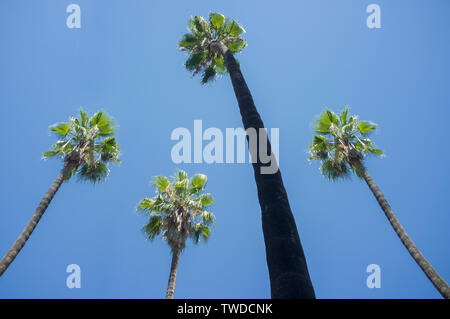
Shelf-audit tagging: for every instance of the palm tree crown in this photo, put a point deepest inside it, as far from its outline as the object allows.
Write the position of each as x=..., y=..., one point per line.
x=86, y=142
x=340, y=140
x=197, y=43
x=178, y=210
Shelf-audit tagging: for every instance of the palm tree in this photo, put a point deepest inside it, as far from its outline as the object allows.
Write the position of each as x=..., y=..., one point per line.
x=86, y=145
x=211, y=46
x=341, y=144
x=178, y=211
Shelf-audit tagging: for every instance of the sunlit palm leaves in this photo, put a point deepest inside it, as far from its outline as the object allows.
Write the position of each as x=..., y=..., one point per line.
x=197, y=44
x=336, y=134
x=91, y=138
x=179, y=206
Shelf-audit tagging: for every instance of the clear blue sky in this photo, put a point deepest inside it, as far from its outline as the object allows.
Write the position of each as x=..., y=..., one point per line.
x=301, y=57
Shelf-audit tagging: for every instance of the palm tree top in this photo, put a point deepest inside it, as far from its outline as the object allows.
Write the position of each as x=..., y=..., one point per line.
x=91, y=138
x=197, y=43
x=335, y=136
x=179, y=205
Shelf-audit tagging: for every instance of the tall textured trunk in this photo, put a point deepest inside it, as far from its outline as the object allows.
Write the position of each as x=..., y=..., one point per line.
x=40, y=210
x=288, y=271
x=173, y=273
x=429, y=271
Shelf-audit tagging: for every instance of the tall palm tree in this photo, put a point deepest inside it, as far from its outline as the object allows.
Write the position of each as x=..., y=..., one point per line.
x=211, y=46
x=86, y=145
x=177, y=212
x=341, y=144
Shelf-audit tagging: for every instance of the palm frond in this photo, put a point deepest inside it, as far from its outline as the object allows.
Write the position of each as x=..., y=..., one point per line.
x=324, y=122
x=195, y=60
x=188, y=41
x=94, y=172
x=206, y=199
x=198, y=181
x=200, y=230
x=209, y=74
x=365, y=127
x=153, y=227
x=146, y=205
x=84, y=118
x=109, y=150
x=334, y=169
x=217, y=20
x=61, y=129
x=319, y=148
x=161, y=182
x=61, y=148
x=343, y=116
x=207, y=218
x=103, y=122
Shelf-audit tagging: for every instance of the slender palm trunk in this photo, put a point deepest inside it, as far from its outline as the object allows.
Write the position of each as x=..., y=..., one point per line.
x=40, y=210
x=429, y=271
x=173, y=274
x=288, y=271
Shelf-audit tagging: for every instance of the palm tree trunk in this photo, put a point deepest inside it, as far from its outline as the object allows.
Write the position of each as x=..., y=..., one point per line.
x=40, y=210
x=429, y=271
x=288, y=271
x=173, y=274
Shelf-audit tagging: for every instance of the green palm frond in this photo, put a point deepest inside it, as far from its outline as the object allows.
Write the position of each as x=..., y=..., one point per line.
x=206, y=199
x=209, y=73
x=365, y=127
x=146, y=205
x=154, y=227
x=335, y=136
x=103, y=122
x=60, y=148
x=207, y=218
x=201, y=59
x=92, y=138
x=325, y=121
x=175, y=195
x=319, y=148
x=334, y=169
x=61, y=129
x=162, y=183
x=94, y=172
x=343, y=116
x=109, y=150
x=84, y=118
x=200, y=230
x=197, y=183
x=367, y=146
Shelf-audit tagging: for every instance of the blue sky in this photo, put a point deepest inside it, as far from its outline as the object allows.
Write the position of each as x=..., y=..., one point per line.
x=301, y=57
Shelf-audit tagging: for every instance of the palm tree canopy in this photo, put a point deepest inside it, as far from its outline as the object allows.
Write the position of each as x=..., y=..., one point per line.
x=93, y=138
x=180, y=193
x=197, y=44
x=334, y=134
